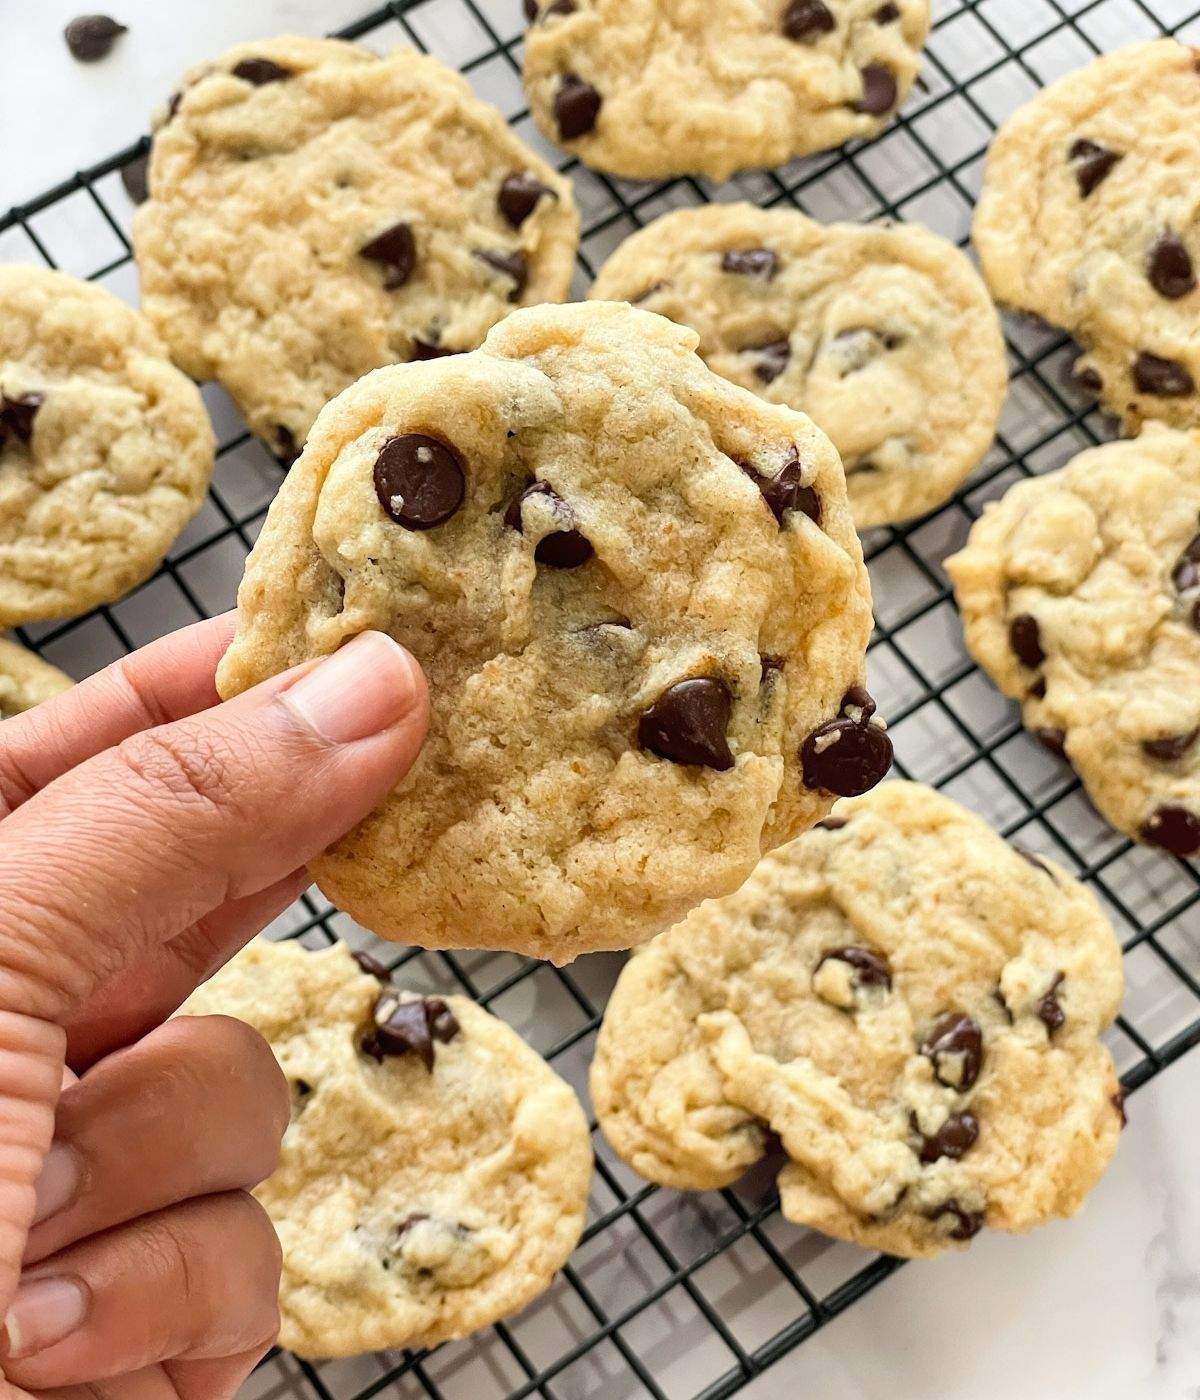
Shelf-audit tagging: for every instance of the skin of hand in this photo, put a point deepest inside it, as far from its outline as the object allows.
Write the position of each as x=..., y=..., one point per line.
x=147, y=832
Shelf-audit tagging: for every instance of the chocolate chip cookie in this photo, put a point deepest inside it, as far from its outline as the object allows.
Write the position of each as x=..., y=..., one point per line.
x=105, y=448
x=909, y=1005
x=316, y=212
x=1088, y=219
x=1080, y=597
x=25, y=679
x=884, y=334
x=652, y=88
x=638, y=596
x=434, y=1176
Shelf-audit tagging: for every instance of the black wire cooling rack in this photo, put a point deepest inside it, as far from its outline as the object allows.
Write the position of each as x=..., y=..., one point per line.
x=672, y=1295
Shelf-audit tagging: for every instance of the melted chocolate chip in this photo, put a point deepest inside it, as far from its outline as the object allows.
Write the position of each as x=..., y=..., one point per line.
x=772, y=359
x=955, y=1046
x=879, y=91
x=285, y=445
x=396, y=250
x=805, y=19
x=519, y=196
x=1089, y=379
x=565, y=547
x=1167, y=379
x=886, y=14
x=1169, y=266
x=430, y=350
x=372, y=966
x=845, y=758
x=1052, y=739
x=870, y=969
x=1118, y=1102
x=419, y=480
x=1025, y=638
x=1092, y=163
x=135, y=178
x=762, y=263
x=1172, y=747
x=576, y=107
x=688, y=722
x=1049, y=1008
x=968, y=1223
x=91, y=37
x=17, y=415
x=857, y=704
x=956, y=1136
x=1173, y=829
x=833, y=823
x=261, y=71
x=508, y=264
x=784, y=491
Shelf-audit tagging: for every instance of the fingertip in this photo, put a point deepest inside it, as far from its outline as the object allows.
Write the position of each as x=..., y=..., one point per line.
x=371, y=685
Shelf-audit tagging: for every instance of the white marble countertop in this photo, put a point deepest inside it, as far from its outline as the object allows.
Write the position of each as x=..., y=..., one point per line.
x=1105, y=1305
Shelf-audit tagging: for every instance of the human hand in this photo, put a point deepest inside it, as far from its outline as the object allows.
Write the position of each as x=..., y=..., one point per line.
x=146, y=833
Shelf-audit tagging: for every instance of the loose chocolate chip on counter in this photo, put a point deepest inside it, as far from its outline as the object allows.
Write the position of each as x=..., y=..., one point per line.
x=430, y=350
x=956, y=1136
x=1052, y=739
x=1025, y=638
x=1118, y=1102
x=772, y=359
x=870, y=969
x=1049, y=1008
x=845, y=758
x=285, y=445
x=576, y=106
x=372, y=966
x=419, y=480
x=1167, y=379
x=1172, y=747
x=762, y=263
x=1089, y=379
x=879, y=91
x=1172, y=829
x=566, y=547
x=1169, y=266
x=508, y=264
x=17, y=415
x=805, y=19
x=784, y=491
x=887, y=14
x=260, y=71
x=135, y=178
x=519, y=195
x=955, y=1047
x=688, y=722
x=396, y=250
x=1092, y=162
x=833, y=823
x=968, y=1223
x=91, y=37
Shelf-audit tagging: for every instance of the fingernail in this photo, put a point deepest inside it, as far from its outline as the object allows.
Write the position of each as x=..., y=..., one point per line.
x=58, y=1182
x=363, y=689
x=44, y=1311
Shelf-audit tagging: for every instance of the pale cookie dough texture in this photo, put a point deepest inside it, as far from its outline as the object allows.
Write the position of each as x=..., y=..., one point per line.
x=641, y=605
x=652, y=88
x=884, y=334
x=1080, y=597
x=26, y=680
x=434, y=1176
x=912, y=1007
x=1088, y=219
x=316, y=212
x=105, y=448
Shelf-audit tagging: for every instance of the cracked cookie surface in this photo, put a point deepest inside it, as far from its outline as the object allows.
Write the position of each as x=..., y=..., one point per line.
x=884, y=335
x=913, y=1008
x=652, y=88
x=1088, y=217
x=25, y=679
x=434, y=1176
x=317, y=211
x=1080, y=596
x=105, y=447
x=639, y=599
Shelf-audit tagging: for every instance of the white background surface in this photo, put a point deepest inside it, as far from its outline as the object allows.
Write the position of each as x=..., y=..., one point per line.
x=1106, y=1305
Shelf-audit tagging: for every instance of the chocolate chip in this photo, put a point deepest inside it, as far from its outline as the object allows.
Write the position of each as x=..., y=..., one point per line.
x=519, y=196
x=886, y=14
x=762, y=263
x=769, y=667
x=173, y=104
x=1092, y=163
x=1173, y=829
x=1118, y=1102
x=858, y=704
x=1186, y=573
x=955, y=1046
x=1037, y=691
x=784, y=491
x=531, y=10
x=443, y=1024
x=409, y=1027
x=396, y=250
x=508, y=264
x=416, y=1218
x=429, y=350
x=17, y=415
x=833, y=823
x=576, y=106
x=565, y=547
x=1170, y=748
x=260, y=71
x=1089, y=379
x=805, y=19
x=1169, y=266
x=879, y=91
x=1032, y=858
x=954, y=1138
x=557, y=7
x=135, y=178
x=419, y=480
x=870, y=969
x=91, y=37
x=285, y=445
x=1167, y=379
x=372, y=966
x=772, y=359
x=688, y=722
x=845, y=758
x=968, y=1223
x=1025, y=638
x=1049, y=1008
x=1052, y=739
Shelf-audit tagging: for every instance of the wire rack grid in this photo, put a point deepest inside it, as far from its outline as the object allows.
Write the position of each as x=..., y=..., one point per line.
x=668, y=1295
